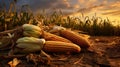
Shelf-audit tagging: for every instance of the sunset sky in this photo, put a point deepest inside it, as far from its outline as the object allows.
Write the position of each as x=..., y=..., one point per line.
x=102, y=8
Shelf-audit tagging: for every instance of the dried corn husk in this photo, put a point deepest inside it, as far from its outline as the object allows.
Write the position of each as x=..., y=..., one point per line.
x=14, y=62
x=52, y=37
x=56, y=29
x=29, y=44
x=5, y=41
x=57, y=46
x=31, y=30
x=75, y=38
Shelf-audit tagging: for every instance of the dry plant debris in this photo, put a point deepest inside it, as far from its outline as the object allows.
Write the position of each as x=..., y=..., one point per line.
x=14, y=62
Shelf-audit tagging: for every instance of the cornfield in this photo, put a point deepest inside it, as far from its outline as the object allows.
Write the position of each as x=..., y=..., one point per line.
x=11, y=19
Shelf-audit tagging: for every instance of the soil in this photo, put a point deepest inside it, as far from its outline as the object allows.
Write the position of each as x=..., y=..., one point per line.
x=104, y=52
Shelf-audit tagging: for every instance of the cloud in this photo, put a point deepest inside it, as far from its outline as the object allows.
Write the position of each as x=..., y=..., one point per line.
x=45, y=4
x=87, y=3
x=112, y=5
x=87, y=6
x=116, y=12
x=106, y=7
x=76, y=6
x=112, y=9
x=67, y=3
x=116, y=4
x=81, y=1
x=89, y=9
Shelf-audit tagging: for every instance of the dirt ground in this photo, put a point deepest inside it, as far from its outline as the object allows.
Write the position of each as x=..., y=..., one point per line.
x=105, y=52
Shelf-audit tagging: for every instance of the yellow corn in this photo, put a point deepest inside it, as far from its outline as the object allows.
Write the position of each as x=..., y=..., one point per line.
x=75, y=38
x=52, y=37
x=57, y=46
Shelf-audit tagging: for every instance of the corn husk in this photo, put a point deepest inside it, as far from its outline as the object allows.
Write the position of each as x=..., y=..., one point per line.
x=29, y=44
x=56, y=29
x=75, y=38
x=5, y=41
x=31, y=30
x=29, y=27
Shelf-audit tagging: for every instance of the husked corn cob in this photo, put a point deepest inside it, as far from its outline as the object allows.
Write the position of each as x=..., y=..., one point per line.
x=57, y=46
x=53, y=37
x=75, y=38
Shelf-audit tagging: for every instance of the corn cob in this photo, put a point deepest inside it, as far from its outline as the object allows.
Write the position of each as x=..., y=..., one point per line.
x=52, y=37
x=75, y=38
x=57, y=46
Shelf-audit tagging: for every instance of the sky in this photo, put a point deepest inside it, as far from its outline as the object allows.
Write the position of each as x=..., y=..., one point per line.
x=102, y=8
